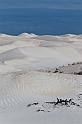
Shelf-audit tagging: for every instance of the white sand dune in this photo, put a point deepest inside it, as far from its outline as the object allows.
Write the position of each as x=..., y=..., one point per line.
x=22, y=82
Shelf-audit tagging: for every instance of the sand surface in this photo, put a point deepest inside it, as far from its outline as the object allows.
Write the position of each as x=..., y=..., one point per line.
x=27, y=75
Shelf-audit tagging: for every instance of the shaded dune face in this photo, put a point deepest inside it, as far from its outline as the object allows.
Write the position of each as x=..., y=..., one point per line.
x=10, y=55
x=23, y=57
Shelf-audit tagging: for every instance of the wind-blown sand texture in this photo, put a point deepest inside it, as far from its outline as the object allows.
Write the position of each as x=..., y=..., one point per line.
x=35, y=71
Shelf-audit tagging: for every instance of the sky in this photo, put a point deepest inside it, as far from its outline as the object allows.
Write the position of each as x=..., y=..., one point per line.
x=54, y=4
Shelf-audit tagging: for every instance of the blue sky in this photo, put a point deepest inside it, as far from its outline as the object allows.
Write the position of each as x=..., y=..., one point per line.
x=56, y=4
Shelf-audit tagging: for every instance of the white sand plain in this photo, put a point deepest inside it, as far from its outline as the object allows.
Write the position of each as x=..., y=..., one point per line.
x=24, y=60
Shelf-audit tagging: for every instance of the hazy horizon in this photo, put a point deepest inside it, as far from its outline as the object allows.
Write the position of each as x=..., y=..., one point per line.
x=55, y=4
